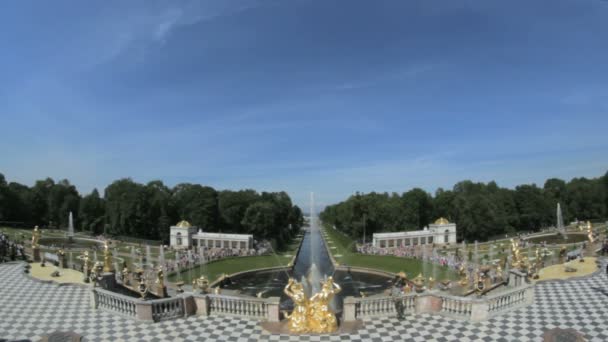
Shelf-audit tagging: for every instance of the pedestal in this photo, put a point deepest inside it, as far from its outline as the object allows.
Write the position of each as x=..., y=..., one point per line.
x=63, y=261
x=349, y=309
x=161, y=291
x=36, y=254
x=107, y=281
x=273, y=309
x=202, y=305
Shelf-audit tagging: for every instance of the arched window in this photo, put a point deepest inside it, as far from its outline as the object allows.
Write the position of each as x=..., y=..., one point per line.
x=446, y=237
x=178, y=238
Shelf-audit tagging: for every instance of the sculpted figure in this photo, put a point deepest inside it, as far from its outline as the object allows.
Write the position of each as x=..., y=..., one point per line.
x=35, y=237
x=160, y=277
x=322, y=319
x=107, y=258
x=298, y=320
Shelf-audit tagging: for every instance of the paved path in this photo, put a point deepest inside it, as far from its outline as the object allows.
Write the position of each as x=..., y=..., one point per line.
x=29, y=309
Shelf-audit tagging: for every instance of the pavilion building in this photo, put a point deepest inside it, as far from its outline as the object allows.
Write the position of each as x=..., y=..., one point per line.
x=440, y=232
x=184, y=235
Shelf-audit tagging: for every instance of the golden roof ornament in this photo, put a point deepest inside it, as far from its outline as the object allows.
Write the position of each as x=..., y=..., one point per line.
x=442, y=221
x=183, y=224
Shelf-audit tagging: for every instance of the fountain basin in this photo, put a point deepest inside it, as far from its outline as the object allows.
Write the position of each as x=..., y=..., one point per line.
x=74, y=243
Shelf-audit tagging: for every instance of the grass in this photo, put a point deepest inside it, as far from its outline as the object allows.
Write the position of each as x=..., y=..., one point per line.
x=229, y=266
x=239, y=264
x=344, y=254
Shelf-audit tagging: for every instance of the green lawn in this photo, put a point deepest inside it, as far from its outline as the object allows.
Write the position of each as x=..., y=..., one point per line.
x=229, y=266
x=238, y=264
x=344, y=254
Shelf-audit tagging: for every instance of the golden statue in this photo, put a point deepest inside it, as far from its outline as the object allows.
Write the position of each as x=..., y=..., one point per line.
x=590, y=232
x=35, y=237
x=201, y=283
x=86, y=262
x=125, y=275
x=298, y=320
x=499, y=275
x=517, y=261
x=321, y=318
x=160, y=277
x=107, y=258
x=462, y=273
x=431, y=283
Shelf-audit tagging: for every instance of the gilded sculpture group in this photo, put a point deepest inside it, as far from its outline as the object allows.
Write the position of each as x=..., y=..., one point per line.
x=312, y=315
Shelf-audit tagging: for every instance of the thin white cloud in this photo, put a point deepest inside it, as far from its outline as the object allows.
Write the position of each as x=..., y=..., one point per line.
x=399, y=74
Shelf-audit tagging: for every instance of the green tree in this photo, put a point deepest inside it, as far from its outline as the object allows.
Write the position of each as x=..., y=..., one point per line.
x=92, y=212
x=232, y=207
x=197, y=204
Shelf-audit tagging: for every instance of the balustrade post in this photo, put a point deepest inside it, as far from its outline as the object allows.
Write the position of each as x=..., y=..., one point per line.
x=201, y=304
x=348, y=309
x=144, y=311
x=479, y=311
x=529, y=295
x=93, y=299
x=272, y=307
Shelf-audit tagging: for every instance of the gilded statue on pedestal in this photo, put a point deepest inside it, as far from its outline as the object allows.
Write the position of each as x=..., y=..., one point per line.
x=35, y=237
x=312, y=315
x=590, y=232
x=160, y=276
x=298, y=322
x=322, y=319
x=517, y=262
x=107, y=259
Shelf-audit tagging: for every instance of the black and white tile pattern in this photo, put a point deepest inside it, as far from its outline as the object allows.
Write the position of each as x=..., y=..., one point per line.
x=29, y=309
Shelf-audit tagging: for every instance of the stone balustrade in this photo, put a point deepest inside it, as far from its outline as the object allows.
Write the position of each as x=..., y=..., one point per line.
x=510, y=300
x=169, y=308
x=465, y=308
x=115, y=302
x=382, y=306
x=238, y=306
x=157, y=310
x=458, y=307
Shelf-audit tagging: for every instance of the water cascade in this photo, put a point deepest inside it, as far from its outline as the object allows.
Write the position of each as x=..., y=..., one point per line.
x=560, y=222
x=70, y=226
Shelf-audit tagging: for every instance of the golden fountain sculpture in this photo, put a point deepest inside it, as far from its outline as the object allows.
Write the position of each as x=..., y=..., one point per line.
x=107, y=258
x=312, y=315
x=35, y=237
x=590, y=232
x=517, y=261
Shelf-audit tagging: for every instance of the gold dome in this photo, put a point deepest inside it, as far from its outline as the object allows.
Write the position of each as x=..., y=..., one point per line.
x=183, y=224
x=442, y=220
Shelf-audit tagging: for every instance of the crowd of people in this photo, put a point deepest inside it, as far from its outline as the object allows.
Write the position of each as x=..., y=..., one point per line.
x=189, y=258
x=10, y=250
x=415, y=252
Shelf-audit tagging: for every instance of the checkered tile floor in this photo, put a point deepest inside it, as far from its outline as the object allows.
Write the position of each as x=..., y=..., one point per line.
x=29, y=309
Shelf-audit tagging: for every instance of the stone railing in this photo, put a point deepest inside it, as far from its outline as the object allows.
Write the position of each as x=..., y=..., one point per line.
x=380, y=305
x=146, y=310
x=184, y=305
x=457, y=307
x=238, y=306
x=509, y=300
x=465, y=308
x=221, y=304
x=115, y=302
x=169, y=308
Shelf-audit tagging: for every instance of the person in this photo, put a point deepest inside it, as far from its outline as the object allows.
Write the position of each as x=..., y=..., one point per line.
x=606, y=269
x=396, y=293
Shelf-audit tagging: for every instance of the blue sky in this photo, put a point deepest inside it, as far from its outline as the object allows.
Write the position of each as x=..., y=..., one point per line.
x=326, y=96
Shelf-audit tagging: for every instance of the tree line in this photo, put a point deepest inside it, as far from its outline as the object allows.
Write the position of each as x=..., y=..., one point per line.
x=148, y=210
x=480, y=210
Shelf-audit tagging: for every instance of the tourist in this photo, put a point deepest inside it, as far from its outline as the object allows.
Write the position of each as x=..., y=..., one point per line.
x=397, y=294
